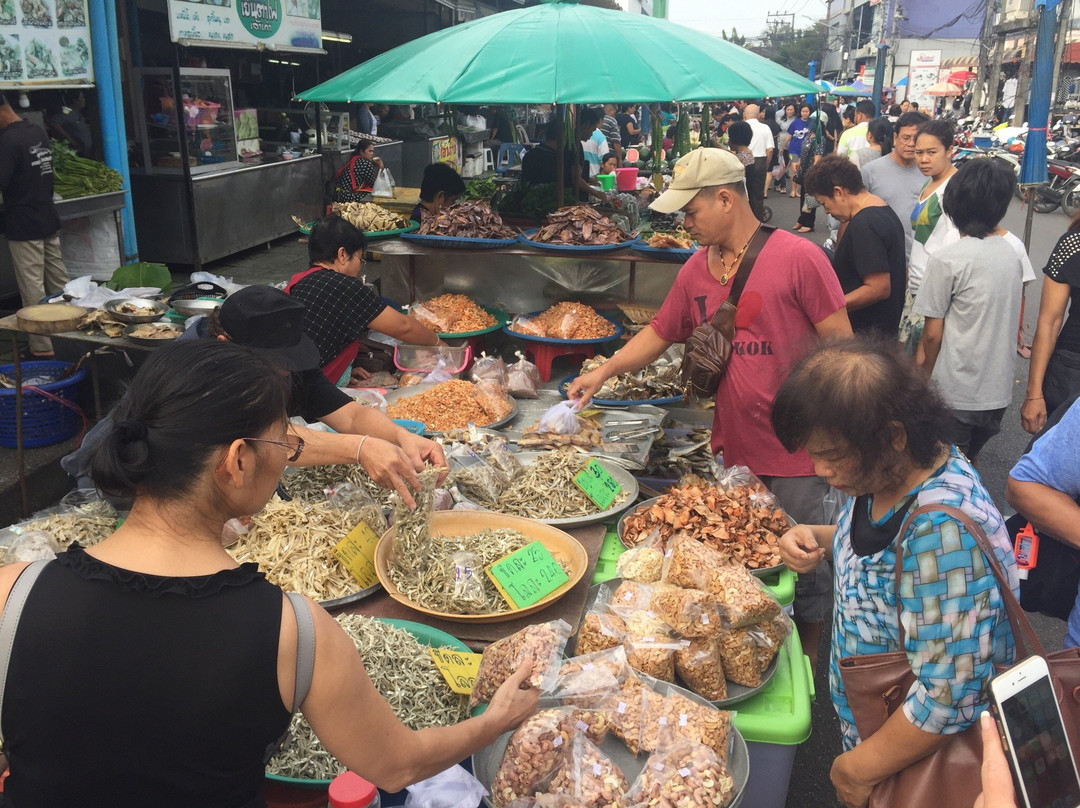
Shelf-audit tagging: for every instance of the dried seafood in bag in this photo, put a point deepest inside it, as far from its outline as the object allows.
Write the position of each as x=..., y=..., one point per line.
x=567, y=320
x=642, y=564
x=523, y=378
x=454, y=314
x=700, y=667
x=543, y=643
x=625, y=710
x=743, y=598
x=674, y=717
x=651, y=645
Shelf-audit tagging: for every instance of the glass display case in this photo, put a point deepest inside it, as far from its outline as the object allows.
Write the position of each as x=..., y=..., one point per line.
x=206, y=121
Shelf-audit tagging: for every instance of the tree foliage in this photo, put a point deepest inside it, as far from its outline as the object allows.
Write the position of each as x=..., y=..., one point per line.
x=794, y=50
x=735, y=39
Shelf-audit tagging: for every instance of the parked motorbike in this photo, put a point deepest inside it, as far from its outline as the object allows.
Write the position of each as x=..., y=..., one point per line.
x=1062, y=189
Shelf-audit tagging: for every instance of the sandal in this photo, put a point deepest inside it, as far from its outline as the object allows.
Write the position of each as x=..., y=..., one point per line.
x=793, y=196
x=804, y=230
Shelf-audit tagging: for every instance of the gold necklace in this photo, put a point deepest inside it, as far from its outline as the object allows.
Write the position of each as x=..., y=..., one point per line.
x=734, y=261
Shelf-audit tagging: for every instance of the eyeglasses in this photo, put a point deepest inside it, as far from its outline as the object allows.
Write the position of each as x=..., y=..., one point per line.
x=297, y=448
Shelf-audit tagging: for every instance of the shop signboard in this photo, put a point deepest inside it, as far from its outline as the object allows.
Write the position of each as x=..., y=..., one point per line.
x=446, y=150
x=923, y=74
x=45, y=43
x=280, y=25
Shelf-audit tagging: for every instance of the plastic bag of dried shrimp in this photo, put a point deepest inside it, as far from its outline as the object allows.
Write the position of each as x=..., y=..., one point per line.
x=523, y=324
x=523, y=378
x=441, y=322
x=489, y=368
x=543, y=644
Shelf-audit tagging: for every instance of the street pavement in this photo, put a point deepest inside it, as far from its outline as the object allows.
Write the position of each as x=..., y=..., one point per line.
x=810, y=786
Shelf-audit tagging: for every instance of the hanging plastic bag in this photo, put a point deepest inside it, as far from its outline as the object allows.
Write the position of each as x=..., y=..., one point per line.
x=439, y=374
x=560, y=419
x=523, y=378
x=384, y=184
x=489, y=369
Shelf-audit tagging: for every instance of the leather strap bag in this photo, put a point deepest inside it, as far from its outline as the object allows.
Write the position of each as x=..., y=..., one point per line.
x=708, y=350
x=877, y=684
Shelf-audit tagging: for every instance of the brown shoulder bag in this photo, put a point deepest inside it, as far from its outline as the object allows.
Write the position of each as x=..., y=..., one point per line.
x=877, y=684
x=708, y=350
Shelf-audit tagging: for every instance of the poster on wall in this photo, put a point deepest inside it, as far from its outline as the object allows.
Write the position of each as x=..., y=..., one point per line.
x=276, y=24
x=923, y=74
x=45, y=43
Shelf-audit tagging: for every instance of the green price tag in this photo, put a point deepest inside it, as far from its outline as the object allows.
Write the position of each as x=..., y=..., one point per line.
x=527, y=576
x=598, y=484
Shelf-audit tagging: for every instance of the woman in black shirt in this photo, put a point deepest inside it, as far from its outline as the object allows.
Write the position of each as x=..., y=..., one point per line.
x=869, y=258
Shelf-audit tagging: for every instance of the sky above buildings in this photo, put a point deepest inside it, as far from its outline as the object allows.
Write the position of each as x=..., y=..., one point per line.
x=750, y=19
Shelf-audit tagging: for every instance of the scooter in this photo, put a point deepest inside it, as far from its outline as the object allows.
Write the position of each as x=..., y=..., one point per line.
x=1062, y=189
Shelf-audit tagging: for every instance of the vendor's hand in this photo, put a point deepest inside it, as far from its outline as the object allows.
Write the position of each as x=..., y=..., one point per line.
x=389, y=466
x=799, y=549
x=997, y=781
x=515, y=700
x=852, y=791
x=424, y=450
x=377, y=161
x=1033, y=415
x=358, y=374
x=584, y=387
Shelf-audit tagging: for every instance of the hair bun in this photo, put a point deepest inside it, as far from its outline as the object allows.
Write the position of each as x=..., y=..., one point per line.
x=130, y=431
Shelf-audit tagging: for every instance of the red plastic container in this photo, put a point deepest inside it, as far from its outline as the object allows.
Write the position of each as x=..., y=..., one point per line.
x=626, y=179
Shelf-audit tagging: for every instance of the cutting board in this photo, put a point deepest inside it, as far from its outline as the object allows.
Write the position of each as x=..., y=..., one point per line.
x=49, y=318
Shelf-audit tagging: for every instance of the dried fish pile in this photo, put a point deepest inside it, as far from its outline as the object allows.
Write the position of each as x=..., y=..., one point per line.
x=99, y=320
x=446, y=573
x=369, y=217
x=87, y=524
x=565, y=320
x=402, y=670
x=311, y=482
x=738, y=523
x=452, y=314
x=678, y=240
x=468, y=220
x=580, y=225
x=545, y=489
x=672, y=458
x=657, y=380
x=293, y=544
x=448, y=405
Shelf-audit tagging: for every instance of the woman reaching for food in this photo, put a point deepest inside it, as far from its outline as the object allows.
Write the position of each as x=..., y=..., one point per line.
x=170, y=669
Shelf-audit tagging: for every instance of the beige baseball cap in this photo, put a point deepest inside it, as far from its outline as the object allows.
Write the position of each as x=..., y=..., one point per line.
x=701, y=168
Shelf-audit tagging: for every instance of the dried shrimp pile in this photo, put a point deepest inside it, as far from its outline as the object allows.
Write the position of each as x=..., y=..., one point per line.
x=448, y=405
x=311, y=482
x=679, y=240
x=657, y=380
x=580, y=225
x=96, y=521
x=740, y=523
x=369, y=217
x=545, y=489
x=293, y=544
x=452, y=314
x=468, y=220
x=565, y=321
x=402, y=670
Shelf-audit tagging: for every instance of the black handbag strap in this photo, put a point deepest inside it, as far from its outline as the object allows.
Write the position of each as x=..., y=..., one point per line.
x=1027, y=642
x=752, y=251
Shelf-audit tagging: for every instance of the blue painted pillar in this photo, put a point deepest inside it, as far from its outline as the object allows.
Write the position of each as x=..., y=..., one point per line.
x=811, y=74
x=105, y=38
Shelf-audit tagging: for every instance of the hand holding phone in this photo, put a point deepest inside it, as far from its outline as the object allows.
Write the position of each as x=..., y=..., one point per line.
x=1034, y=736
x=997, y=781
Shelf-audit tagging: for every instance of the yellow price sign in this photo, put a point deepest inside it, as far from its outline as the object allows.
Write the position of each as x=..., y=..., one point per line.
x=357, y=553
x=459, y=668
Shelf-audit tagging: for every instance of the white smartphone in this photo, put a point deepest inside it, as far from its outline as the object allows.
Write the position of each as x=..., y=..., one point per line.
x=1043, y=766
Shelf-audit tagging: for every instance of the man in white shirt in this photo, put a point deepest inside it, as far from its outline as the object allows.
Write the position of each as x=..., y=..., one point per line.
x=1008, y=98
x=761, y=146
x=855, y=138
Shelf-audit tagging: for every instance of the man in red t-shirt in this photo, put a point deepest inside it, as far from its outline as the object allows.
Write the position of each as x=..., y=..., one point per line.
x=791, y=298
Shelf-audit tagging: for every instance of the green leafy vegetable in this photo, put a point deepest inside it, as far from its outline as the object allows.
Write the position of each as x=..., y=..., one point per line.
x=75, y=176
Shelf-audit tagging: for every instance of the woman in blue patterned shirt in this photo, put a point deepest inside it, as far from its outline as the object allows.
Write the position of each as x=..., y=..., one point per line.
x=876, y=431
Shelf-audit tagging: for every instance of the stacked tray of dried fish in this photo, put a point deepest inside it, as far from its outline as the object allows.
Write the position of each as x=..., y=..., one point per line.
x=579, y=225
x=468, y=220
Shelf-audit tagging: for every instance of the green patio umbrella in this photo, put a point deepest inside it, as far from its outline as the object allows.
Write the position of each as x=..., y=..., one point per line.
x=560, y=52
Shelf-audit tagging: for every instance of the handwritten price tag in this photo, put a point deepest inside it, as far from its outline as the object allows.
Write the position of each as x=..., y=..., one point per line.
x=357, y=553
x=459, y=668
x=527, y=575
x=598, y=484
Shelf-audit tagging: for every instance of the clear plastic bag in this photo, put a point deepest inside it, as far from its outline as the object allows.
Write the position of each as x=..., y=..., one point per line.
x=524, y=324
x=33, y=545
x=700, y=667
x=493, y=399
x=468, y=574
x=748, y=652
x=743, y=599
x=523, y=378
x=490, y=369
x=474, y=477
x=82, y=516
x=384, y=184
x=442, y=500
x=590, y=680
x=625, y=711
x=366, y=397
x=651, y=645
x=667, y=720
x=532, y=753
x=687, y=561
x=734, y=477
x=600, y=631
x=588, y=775
x=498, y=455
x=683, y=775
x=543, y=643
x=644, y=563
x=441, y=322
x=567, y=326
x=690, y=612
x=360, y=504
x=439, y=374
x=560, y=419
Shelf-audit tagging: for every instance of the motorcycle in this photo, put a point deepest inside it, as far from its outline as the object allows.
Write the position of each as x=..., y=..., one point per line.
x=1061, y=190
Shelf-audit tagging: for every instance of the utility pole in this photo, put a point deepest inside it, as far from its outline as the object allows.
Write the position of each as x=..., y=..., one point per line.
x=985, y=38
x=1064, y=26
x=790, y=23
x=1024, y=76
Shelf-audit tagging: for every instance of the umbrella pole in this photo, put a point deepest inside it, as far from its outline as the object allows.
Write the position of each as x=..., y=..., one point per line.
x=560, y=156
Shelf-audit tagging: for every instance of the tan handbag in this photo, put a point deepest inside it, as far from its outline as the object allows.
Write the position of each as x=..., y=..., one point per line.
x=708, y=350
x=877, y=684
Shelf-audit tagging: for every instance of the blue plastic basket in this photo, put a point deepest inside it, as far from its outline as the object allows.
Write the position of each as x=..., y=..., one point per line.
x=415, y=427
x=45, y=421
x=983, y=142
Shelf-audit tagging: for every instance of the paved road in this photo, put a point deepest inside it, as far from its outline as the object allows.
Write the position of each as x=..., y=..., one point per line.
x=810, y=786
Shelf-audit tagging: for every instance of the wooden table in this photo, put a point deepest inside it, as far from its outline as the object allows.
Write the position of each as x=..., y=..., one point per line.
x=570, y=607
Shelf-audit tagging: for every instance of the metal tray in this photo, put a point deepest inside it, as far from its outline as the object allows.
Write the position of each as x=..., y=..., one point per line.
x=564, y=385
x=573, y=249
x=623, y=477
x=150, y=341
x=663, y=253
x=736, y=693
x=345, y=600
x=485, y=763
x=412, y=390
x=760, y=573
x=552, y=341
x=456, y=242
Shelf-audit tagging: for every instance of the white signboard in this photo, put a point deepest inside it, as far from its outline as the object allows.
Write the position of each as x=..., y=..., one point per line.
x=45, y=43
x=923, y=74
x=276, y=24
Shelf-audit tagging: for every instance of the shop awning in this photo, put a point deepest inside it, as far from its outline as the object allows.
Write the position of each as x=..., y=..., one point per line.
x=560, y=52
x=960, y=61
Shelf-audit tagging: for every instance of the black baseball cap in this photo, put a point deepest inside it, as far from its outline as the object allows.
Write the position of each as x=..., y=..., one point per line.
x=266, y=318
